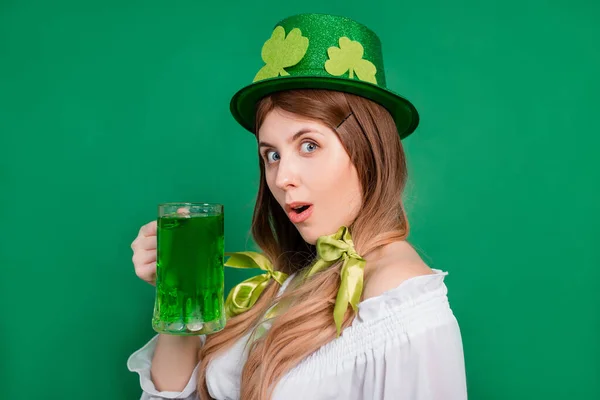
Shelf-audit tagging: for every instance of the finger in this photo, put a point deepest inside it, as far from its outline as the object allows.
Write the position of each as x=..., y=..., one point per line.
x=142, y=243
x=147, y=243
x=143, y=258
x=183, y=211
x=147, y=272
x=149, y=229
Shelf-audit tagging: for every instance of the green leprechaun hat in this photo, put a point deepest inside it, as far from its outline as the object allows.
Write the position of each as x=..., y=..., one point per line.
x=320, y=51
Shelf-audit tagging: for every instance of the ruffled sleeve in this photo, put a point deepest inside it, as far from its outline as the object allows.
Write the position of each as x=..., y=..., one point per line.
x=403, y=345
x=140, y=362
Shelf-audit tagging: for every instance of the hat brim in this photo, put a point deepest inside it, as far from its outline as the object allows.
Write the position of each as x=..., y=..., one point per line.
x=243, y=103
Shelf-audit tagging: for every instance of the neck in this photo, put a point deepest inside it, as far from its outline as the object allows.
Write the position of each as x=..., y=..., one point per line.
x=387, y=253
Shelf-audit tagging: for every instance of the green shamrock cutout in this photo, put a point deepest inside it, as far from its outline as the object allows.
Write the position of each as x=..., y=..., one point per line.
x=348, y=57
x=281, y=52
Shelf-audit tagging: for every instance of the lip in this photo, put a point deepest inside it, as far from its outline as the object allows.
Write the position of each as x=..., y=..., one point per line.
x=296, y=218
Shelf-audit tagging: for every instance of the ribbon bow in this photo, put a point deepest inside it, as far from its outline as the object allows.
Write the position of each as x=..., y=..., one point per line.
x=245, y=294
x=331, y=249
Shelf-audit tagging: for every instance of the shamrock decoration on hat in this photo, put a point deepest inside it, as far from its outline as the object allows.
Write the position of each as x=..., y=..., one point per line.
x=348, y=58
x=321, y=51
x=280, y=52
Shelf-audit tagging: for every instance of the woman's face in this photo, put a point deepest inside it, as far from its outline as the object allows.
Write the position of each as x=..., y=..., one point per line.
x=309, y=173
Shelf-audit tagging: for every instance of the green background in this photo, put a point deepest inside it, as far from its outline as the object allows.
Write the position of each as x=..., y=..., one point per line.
x=110, y=107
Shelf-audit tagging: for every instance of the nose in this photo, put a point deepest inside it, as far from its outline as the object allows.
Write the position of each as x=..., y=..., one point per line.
x=287, y=176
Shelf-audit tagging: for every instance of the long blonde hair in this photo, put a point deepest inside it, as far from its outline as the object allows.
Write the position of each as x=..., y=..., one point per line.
x=368, y=133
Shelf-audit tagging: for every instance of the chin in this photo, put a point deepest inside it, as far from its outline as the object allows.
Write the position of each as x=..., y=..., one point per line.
x=312, y=234
x=308, y=235
x=310, y=239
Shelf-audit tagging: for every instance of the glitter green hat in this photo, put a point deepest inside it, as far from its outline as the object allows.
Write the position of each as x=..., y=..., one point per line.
x=320, y=51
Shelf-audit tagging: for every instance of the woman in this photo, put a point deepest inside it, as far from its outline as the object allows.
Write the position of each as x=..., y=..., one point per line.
x=358, y=314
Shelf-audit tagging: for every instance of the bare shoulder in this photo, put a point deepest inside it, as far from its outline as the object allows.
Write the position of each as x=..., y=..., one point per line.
x=397, y=263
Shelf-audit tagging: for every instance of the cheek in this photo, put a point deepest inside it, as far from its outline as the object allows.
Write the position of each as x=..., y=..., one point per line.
x=346, y=185
x=270, y=179
x=352, y=187
x=335, y=173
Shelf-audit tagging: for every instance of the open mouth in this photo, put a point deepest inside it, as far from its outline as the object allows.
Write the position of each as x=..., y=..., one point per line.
x=300, y=213
x=301, y=209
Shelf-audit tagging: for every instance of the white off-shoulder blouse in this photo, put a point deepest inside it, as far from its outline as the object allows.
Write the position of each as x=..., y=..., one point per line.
x=403, y=345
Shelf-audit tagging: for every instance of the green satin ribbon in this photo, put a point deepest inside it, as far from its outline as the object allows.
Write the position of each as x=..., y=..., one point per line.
x=245, y=294
x=330, y=249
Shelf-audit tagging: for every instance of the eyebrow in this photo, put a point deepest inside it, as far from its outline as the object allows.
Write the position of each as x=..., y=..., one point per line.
x=296, y=136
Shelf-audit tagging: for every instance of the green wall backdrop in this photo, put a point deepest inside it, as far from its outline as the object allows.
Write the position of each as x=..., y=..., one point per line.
x=110, y=107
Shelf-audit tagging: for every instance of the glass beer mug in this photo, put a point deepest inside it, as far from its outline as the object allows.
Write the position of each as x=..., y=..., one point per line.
x=189, y=269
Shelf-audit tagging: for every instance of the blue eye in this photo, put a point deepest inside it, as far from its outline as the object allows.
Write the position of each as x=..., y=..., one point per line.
x=309, y=147
x=272, y=156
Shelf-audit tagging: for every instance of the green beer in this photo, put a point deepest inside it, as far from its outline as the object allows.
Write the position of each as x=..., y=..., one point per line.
x=189, y=269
